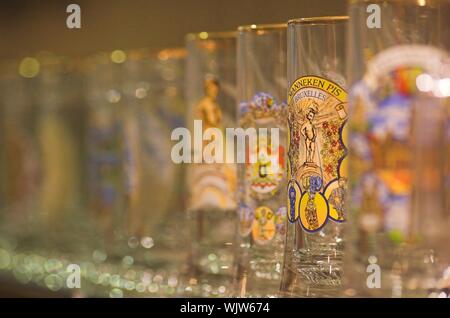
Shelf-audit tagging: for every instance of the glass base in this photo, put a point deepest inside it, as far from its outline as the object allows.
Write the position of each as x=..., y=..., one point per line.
x=311, y=276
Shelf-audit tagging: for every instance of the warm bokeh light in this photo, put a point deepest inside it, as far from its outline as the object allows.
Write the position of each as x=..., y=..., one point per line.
x=29, y=67
x=118, y=56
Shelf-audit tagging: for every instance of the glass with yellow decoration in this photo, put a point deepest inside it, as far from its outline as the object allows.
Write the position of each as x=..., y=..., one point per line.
x=317, y=175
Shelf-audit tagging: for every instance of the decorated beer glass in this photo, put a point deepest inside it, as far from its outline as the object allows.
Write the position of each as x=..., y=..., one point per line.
x=317, y=174
x=399, y=86
x=211, y=184
x=262, y=86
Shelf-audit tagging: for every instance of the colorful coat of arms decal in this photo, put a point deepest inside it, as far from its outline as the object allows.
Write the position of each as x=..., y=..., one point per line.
x=262, y=181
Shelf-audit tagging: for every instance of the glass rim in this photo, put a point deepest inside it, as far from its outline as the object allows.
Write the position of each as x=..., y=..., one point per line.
x=262, y=27
x=133, y=55
x=319, y=20
x=172, y=53
x=204, y=35
x=163, y=54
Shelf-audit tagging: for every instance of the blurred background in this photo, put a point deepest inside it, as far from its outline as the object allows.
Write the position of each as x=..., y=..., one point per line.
x=28, y=26
x=85, y=120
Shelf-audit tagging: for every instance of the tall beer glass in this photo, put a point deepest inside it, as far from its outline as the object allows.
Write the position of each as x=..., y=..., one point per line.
x=317, y=176
x=44, y=151
x=262, y=86
x=105, y=125
x=211, y=187
x=397, y=217
x=155, y=219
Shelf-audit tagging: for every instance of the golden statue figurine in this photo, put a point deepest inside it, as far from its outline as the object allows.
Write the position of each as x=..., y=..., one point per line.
x=208, y=109
x=213, y=185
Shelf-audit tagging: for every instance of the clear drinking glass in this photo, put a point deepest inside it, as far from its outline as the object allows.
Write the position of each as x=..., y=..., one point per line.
x=43, y=171
x=103, y=80
x=154, y=105
x=44, y=149
x=262, y=86
x=317, y=176
x=171, y=236
x=168, y=112
x=211, y=188
x=19, y=155
x=397, y=219
x=136, y=99
x=62, y=134
x=155, y=216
